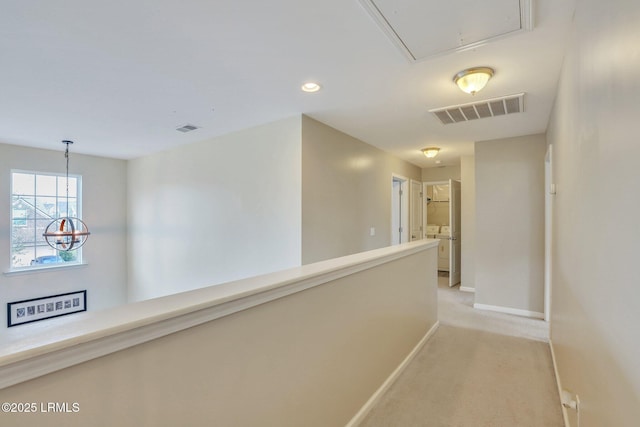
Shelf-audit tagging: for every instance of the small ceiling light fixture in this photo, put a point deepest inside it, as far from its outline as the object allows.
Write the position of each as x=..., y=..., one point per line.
x=310, y=87
x=472, y=80
x=431, y=152
x=66, y=233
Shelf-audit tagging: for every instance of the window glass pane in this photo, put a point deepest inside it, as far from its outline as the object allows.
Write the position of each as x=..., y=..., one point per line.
x=23, y=183
x=73, y=207
x=19, y=217
x=21, y=236
x=46, y=185
x=45, y=255
x=24, y=205
x=21, y=258
x=41, y=226
x=37, y=200
x=46, y=208
x=62, y=186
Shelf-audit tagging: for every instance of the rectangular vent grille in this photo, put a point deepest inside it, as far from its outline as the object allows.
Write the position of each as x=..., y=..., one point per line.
x=187, y=128
x=480, y=110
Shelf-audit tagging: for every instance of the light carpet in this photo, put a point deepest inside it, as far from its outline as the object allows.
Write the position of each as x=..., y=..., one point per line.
x=479, y=369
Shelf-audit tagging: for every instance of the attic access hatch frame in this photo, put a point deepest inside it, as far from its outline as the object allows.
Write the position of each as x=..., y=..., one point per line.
x=400, y=22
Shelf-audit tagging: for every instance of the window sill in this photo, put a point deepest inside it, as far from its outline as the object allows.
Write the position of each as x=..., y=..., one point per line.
x=34, y=270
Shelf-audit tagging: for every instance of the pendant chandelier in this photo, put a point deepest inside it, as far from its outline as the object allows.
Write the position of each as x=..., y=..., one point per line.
x=66, y=233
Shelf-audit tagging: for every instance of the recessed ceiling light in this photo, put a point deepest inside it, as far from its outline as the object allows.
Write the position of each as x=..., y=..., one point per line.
x=310, y=87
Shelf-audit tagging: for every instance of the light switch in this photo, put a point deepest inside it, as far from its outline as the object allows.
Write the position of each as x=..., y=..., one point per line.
x=372, y=231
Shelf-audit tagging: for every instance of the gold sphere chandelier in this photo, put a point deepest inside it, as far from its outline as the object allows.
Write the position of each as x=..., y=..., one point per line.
x=66, y=233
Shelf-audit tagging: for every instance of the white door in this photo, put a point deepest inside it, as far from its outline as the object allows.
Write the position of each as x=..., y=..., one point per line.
x=416, y=211
x=399, y=210
x=454, y=222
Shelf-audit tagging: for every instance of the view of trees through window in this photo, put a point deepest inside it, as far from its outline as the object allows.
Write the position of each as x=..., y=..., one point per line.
x=36, y=200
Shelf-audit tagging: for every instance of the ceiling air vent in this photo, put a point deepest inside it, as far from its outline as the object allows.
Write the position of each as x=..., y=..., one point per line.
x=187, y=128
x=480, y=110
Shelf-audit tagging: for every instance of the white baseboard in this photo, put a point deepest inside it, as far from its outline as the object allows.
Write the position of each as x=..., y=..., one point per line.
x=467, y=289
x=565, y=416
x=508, y=310
x=362, y=413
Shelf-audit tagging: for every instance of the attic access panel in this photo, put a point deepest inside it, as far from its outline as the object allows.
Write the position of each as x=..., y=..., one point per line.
x=422, y=29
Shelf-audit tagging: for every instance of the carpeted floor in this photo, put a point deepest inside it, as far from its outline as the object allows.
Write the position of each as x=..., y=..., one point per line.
x=476, y=371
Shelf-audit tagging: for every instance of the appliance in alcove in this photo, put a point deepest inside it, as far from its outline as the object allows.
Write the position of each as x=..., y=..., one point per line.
x=443, y=248
x=432, y=230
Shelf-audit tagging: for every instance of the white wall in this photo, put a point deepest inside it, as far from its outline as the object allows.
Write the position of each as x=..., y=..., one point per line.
x=510, y=223
x=594, y=130
x=104, y=211
x=468, y=222
x=215, y=211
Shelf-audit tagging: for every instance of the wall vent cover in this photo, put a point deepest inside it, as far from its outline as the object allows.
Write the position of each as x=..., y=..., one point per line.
x=187, y=128
x=480, y=110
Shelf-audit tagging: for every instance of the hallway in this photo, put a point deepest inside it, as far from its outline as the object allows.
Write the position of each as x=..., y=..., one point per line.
x=479, y=369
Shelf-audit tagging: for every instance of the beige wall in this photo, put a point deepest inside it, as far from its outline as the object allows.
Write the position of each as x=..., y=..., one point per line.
x=468, y=222
x=509, y=268
x=346, y=190
x=594, y=130
x=309, y=359
x=215, y=211
x=104, y=211
x=443, y=173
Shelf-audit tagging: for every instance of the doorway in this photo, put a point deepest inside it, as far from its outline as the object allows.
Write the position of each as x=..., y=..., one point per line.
x=442, y=221
x=399, y=209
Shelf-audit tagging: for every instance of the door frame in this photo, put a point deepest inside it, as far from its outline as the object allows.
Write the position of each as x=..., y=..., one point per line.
x=418, y=222
x=455, y=241
x=403, y=210
x=549, y=192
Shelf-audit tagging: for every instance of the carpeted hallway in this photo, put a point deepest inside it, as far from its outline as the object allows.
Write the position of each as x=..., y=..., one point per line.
x=479, y=369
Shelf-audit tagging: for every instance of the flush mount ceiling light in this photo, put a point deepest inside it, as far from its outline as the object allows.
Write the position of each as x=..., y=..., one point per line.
x=310, y=87
x=66, y=233
x=472, y=80
x=431, y=152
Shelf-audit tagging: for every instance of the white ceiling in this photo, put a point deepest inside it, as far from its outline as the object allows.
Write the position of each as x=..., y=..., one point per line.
x=118, y=77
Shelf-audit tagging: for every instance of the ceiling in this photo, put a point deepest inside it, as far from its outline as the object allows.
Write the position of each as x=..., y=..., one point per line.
x=118, y=77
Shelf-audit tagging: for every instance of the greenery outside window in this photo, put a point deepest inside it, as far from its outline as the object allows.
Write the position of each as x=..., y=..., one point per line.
x=37, y=199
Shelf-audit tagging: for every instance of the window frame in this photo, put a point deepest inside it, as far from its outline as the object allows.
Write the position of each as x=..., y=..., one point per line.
x=39, y=243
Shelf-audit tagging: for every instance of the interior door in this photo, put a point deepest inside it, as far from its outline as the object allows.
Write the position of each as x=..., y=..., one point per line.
x=399, y=210
x=416, y=210
x=454, y=222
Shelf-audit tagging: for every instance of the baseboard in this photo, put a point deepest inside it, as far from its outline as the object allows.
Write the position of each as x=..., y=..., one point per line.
x=508, y=310
x=362, y=413
x=565, y=416
x=467, y=289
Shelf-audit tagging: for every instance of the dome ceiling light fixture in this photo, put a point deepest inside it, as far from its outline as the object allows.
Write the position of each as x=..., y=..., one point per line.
x=66, y=234
x=431, y=152
x=472, y=80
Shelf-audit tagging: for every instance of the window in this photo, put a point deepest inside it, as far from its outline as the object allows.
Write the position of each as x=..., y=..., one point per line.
x=36, y=200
